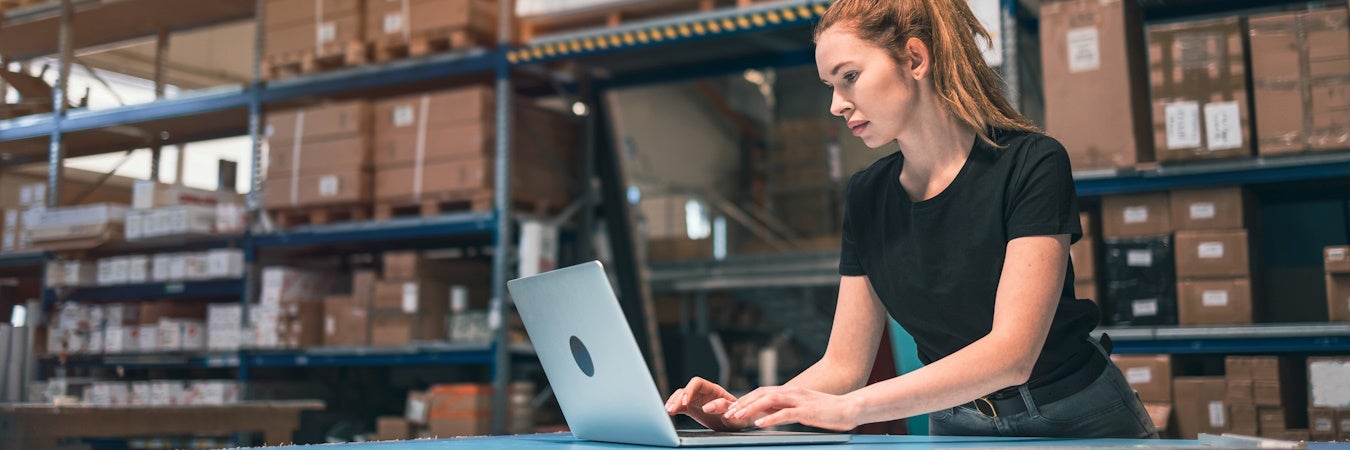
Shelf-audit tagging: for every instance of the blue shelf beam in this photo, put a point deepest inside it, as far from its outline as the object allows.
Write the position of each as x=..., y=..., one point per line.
x=1268, y=345
x=1218, y=173
x=445, y=226
x=369, y=357
x=227, y=288
x=35, y=258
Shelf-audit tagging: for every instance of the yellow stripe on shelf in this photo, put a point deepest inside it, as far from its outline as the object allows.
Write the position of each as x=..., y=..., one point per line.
x=758, y=20
x=588, y=44
x=728, y=24
x=820, y=9
x=699, y=29
x=575, y=46
x=670, y=32
x=512, y=58
x=614, y=41
x=789, y=14
x=628, y=38
x=643, y=37
x=714, y=27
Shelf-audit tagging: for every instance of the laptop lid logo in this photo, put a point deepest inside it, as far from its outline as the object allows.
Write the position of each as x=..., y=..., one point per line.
x=583, y=357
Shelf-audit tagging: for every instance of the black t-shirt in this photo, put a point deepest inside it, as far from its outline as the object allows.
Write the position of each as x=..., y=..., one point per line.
x=936, y=264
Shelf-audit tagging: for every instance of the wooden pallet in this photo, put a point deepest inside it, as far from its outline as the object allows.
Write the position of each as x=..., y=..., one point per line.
x=435, y=204
x=608, y=16
x=319, y=215
x=425, y=43
x=330, y=56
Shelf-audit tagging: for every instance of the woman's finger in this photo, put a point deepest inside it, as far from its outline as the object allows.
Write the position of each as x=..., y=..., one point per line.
x=717, y=406
x=778, y=418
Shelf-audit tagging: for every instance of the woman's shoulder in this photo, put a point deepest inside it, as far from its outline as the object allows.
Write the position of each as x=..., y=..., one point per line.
x=1031, y=144
x=874, y=176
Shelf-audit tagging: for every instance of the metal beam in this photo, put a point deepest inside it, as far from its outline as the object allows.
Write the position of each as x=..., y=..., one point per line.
x=56, y=151
x=161, y=69
x=501, y=362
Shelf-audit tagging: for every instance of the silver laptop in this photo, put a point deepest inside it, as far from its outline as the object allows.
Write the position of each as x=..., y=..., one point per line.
x=597, y=372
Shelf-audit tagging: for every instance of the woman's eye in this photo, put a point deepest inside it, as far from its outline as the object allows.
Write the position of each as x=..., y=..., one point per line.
x=851, y=77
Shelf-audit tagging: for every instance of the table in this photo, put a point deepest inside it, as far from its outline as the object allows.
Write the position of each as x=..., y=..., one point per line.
x=42, y=426
x=565, y=441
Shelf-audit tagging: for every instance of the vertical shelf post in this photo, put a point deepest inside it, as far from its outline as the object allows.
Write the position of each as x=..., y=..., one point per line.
x=501, y=369
x=56, y=151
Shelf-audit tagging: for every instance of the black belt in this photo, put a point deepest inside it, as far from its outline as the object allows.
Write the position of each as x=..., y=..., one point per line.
x=1008, y=401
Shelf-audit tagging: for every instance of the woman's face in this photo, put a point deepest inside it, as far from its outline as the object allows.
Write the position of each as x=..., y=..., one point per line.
x=874, y=94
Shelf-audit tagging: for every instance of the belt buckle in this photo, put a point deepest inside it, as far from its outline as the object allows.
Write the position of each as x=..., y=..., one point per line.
x=993, y=412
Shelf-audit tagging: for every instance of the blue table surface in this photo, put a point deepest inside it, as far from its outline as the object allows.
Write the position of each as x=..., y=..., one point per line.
x=567, y=441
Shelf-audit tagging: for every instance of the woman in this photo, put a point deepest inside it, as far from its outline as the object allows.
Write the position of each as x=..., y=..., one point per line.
x=963, y=236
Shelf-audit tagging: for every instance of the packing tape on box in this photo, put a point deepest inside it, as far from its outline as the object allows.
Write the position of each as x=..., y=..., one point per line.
x=421, y=145
x=297, y=143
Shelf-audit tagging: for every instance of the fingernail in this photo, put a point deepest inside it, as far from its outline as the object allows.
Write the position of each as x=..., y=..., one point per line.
x=759, y=423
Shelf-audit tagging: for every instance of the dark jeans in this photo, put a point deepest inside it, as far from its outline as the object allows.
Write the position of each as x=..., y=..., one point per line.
x=1107, y=408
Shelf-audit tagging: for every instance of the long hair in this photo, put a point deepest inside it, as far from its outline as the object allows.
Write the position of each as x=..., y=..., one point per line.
x=968, y=87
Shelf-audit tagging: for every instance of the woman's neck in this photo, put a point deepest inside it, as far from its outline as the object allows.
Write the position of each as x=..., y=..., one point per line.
x=938, y=143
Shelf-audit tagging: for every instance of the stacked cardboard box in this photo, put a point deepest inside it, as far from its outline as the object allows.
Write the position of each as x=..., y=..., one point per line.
x=1336, y=262
x=1139, y=270
x=168, y=325
x=75, y=227
x=440, y=146
x=319, y=156
x=1267, y=395
x=804, y=174
x=417, y=296
x=1201, y=406
x=1300, y=74
x=1201, y=108
x=290, y=311
x=346, y=320
x=1083, y=255
x=465, y=409
x=463, y=23
x=1329, y=396
x=319, y=28
x=1213, y=256
x=1151, y=377
x=1096, y=96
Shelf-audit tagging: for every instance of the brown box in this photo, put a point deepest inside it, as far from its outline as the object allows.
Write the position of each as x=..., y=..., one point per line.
x=462, y=409
x=399, y=328
x=1136, y=215
x=333, y=120
x=1322, y=424
x=1269, y=368
x=1088, y=222
x=439, y=143
x=411, y=265
x=1273, y=418
x=1096, y=97
x=1083, y=254
x=288, y=160
x=152, y=311
x=287, y=13
x=346, y=322
x=1239, y=392
x=1238, y=367
x=1209, y=209
x=1212, y=254
x=332, y=36
x=1267, y=393
x=307, y=328
x=1149, y=375
x=1243, y=417
x=392, y=429
x=363, y=287
x=1336, y=259
x=1201, y=108
x=1087, y=290
x=339, y=186
x=412, y=297
x=397, y=19
x=473, y=104
x=1300, y=71
x=1292, y=435
x=1343, y=424
x=1338, y=297
x=1215, y=301
x=1200, y=406
x=1160, y=414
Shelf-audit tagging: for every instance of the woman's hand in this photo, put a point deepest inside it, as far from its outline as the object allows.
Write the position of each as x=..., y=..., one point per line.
x=776, y=405
x=705, y=402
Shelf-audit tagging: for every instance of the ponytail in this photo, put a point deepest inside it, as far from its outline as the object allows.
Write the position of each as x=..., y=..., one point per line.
x=969, y=88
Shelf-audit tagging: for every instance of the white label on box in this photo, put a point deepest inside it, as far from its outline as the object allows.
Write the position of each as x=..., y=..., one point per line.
x=1139, y=375
x=1211, y=250
x=1202, y=210
x=1183, y=125
x=1223, y=125
x=1216, y=415
x=1336, y=254
x=1145, y=308
x=328, y=185
x=410, y=297
x=393, y=22
x=1136, y=214
x=1322, y=424
x=404, y=116
x=1214, y=298
x=459, y=298
x=417, y=411
x=1084, y=50
x=1139, y=258
x=11, y=218
x=327, y=32
x=26, y=194
x=329, y=325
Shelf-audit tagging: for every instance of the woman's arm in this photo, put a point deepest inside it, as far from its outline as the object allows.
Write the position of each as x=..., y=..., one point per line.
x=1029, y=290
x=859, y=318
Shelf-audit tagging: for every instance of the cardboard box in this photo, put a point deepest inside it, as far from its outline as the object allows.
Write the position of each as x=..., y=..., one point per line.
x=1273, y=419
x=1338, y=297
x=472, y=105
x=462, y=409
x=1239, y=391
x=320, y=123
x=392, y=429
x=1212, y=253
x=363, y=287
x=398, y=328
x=1300, y=71
x=328, y=37
x=282, y=284
x=1326, y=382
x=1083, y=255
x=1140, y=281
x=412, y=265
x=530, y=180
x=1267, y=393
x=412, y=297
x=1087, y=290
x=1336, y=259
x=1096, y=97
x=1291, y=435
x=1322, y=424
x=288, y=13
x=291, y=159
x=396, y=20
x=1215, y=301
x=1161, y=415
x=1210, y=209
x=1136, y=215
x=1343, y=424
x=1238, y=367
x=1149, y=375
x=346, y=322
x=1201, y=105
x=1200, y=406
x=1243, y=416
x=338, y=186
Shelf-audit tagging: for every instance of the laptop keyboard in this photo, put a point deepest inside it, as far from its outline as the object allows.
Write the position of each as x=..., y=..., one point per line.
x=709, y=433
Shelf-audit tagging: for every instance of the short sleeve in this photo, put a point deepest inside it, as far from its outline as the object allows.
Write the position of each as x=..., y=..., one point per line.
x=1042, y=200
x=849, y=265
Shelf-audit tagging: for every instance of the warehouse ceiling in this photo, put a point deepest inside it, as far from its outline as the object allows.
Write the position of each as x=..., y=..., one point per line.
x=213, y=56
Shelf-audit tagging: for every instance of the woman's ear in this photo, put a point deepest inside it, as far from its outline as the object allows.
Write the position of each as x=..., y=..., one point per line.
x=920, y=59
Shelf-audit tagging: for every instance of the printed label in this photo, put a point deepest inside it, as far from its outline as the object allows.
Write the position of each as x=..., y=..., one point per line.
x=1183, y=125
x=1136, y=214
x=328, y=185
x=327, y=32
x=1139, y=375
x=1203, y=210
x=459, y=298
x=403, y=116
x=1211, y=250
x=1216, y=415
x=1214, y=299
x=1223, y=126
x=1336, y=254
x=1322, y=424
x=1084, y=50
x=393, y=22
x=329, y=325
x=1139, y=258
x=1145, y=308
x=410, y=297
